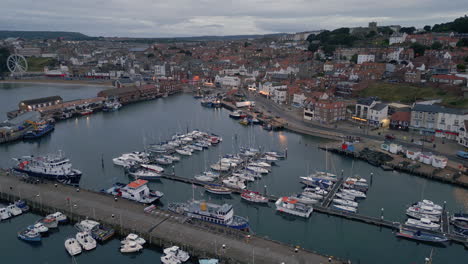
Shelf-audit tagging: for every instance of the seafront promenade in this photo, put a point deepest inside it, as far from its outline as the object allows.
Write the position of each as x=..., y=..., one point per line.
x=160, y=227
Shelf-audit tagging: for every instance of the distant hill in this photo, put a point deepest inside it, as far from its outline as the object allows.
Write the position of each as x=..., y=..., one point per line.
x=43, y=35
x=459, y=25
x=199, y=38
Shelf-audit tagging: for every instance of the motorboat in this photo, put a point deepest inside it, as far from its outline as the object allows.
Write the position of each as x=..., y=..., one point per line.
x=324, y=176
x=244, y=176
x=121, y=161
x=174, y=158
x=312, y=195
x=219, y=167
x=254, y=197
x=345, y=208
x=421, y=235
x=293, y=206
x=14, y=210
x=235, y=114
x=39, y=228
x=184, y=152
x=72, y=246
x=22, y=205
x=195, y=147
x=460, y=221
x=317, y=182
x=97, y=231
x=260, y=164
x=178, y=253
x=316, y=190
x=144, y=174
x=427, y=210
x=210, y=212
x=86, y=241
x=428, y=203
x=345, y=202
x=85, y=111
x=424, y=223
x=234, y=182
x=256, y=169
x=86, y=225
x=304, y=199
x=354, y=193
x=203, y=178
x=29, y=235
x=153, y=167
x=416, y=215
x=137, y=191
x=345, y=196
x=61, y=218
x=130, y=247
x=163, y=161
x=133, y=238
x=217, y=189
x=169, y=259
x=211, y=174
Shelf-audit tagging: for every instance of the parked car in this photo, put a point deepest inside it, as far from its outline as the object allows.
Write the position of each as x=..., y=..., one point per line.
x=390, y=137
x=462, y=154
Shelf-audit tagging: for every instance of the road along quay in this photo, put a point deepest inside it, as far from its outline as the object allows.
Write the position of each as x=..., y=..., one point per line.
x=160, y=227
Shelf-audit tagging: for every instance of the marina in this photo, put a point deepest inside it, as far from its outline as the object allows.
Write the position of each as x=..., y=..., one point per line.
x=283, y=179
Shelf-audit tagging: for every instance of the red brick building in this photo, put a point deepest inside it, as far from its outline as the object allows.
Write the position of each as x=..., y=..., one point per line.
x=325, y=111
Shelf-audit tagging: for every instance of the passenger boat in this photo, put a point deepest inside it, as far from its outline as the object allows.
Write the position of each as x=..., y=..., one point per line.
x=424, y=223
x=293, y=206
x=153, y=167
x=39, y=131
x=217, y=189
x=52, y=167
x=29, y=235
x=14, y=210
x=421, y=235
x=137, y=191
x=86, y=241
x=254, y=197
x=177, y=253
x=345, y=202
x=210, y=212
x=72, y=246
x=133, y=238
x=345, y=208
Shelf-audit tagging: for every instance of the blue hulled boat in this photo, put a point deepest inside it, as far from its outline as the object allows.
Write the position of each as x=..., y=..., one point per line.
x=39, y=131
x=29, y=235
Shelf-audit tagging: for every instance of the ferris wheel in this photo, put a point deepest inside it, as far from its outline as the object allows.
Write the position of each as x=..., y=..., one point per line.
x=17, y=64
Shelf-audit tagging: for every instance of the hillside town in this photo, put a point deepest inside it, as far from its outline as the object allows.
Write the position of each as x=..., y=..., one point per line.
x=391, y=77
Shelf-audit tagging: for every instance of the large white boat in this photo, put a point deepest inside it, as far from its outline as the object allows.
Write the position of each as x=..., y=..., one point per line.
x=220, y=167
x=14, y=210
x=4, y=214
x=345, y=208
x=53, y=167
x=254, y=197
x=304, y=199
x=121, y=161
x=257, y=169
x=424, y=223
x=293, y=206
x=345, y=202
x=427, y=210
x=312, y=195
x=133, y=238
x=413, y=214
x=136, y=191
x=72, y=246
x=234, y=182
x=86, y=241
x=354, y=193
x=130, y=247
x=144, y=174
x=428, y=203
x=153, y=167
x=178, y=253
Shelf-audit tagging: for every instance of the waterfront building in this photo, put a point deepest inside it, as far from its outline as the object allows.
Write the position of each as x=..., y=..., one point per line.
x=325, y=111
x=32, y=104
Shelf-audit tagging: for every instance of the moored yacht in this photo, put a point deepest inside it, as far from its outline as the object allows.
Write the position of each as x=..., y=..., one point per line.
x=86, y=241
x=72, y=246
x=254, y=197
x=293, y=206
x=424, y=223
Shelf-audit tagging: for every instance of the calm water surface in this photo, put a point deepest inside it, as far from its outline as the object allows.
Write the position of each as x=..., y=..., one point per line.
x=87, y=139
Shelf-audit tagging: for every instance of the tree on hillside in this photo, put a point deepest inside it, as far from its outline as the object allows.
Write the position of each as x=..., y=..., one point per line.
x=4, y=53
x=408, y=30
x=436, y=45
x=462, y=42
x=385, y=30
x=328, y=50
x=459, y=25
x=354, y=58
x=419, y=49
x=461, y=67
x=313, y=47
x=371, y=34
x=427, y=28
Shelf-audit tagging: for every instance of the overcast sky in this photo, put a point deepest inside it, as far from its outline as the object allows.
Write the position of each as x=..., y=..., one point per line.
x=169, y=18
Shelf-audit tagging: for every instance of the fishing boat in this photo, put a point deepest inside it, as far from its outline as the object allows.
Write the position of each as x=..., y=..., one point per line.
x=72, y=246
x=130, y=247
x=210, y=212
x=144, y=174
x=235, y=114
x=49, y=222
x=293, y=206
x=39, y=228
x=39, y=131
x=304, y=199
x=345, y=202
x=424, y=223
x=345, y=208
x=86, y=111
x=53, y=167
x=153, y=167
x=22, y=205
x=420, y=235
x=178, y=253
x=29, y=235
x=14, y=210
x=133, y=238
x=217, y=189
x=99, y=232
x=137, y=191
x=59, y=217
x=111, y=106
x=86, y=241
x=254, y=197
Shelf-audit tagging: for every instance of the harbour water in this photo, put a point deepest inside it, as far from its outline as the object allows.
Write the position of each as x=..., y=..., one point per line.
x=91, y=142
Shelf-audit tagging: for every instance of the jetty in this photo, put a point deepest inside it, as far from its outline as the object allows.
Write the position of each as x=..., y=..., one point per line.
x=160, y=228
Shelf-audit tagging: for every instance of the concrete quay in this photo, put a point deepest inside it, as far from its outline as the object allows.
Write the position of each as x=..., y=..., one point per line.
x=160, y=227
